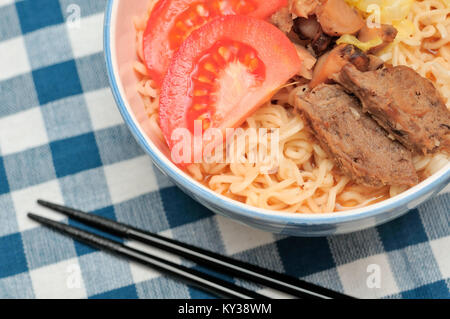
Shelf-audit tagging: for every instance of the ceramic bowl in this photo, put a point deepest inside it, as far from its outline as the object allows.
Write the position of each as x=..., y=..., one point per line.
x=119, y=47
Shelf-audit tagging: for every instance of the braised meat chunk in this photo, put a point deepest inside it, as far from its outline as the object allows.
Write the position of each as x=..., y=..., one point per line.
x=407, y=105
x=360, y=147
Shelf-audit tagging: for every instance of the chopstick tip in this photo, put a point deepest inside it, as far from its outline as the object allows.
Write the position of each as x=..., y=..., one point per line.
x=40, y=219
x=33, y=216
x=42, y=202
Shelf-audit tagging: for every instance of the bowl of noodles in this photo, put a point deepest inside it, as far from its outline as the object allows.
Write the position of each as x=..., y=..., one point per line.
x=307, y=194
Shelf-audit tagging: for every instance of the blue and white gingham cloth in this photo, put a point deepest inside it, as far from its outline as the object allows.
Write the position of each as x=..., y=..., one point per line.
x=62, y=139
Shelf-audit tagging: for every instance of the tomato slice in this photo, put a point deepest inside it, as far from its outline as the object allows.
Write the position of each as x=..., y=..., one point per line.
x=223, y=72
x=171, y=21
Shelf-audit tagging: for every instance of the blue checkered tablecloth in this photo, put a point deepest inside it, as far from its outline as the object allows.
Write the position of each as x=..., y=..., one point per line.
x=62, y=139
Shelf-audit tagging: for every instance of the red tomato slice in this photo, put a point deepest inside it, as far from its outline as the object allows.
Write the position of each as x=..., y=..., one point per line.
x=223, y=72
x=171, y=21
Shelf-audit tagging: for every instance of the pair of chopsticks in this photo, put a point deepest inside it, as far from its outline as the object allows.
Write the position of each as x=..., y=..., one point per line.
x=214, y=261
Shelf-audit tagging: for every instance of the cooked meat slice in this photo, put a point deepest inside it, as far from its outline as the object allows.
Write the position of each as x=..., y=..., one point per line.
x=282, y=19
x=386, y=32
x=303, y=8
x=359, y=145
x=337, y=18
x=407, y=105
x=333, y=61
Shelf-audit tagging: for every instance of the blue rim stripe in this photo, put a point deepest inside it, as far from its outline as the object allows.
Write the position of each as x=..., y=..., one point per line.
x=230, y=205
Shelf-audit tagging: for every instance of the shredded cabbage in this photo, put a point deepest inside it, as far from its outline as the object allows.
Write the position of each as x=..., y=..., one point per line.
x=364, y=46
x=405, y=29
x=391, y=10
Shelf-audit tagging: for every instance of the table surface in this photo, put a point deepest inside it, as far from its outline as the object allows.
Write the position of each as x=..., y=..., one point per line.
x=62, y=139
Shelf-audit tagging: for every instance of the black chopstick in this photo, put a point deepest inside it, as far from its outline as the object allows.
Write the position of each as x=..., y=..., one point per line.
x=268, y=278
x=202, y=280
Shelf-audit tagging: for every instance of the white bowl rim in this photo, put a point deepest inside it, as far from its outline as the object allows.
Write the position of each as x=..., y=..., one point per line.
x=397, y=202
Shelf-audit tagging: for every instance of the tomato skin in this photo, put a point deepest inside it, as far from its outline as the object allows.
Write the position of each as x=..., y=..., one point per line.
x=273, y=47
x=156, y=47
